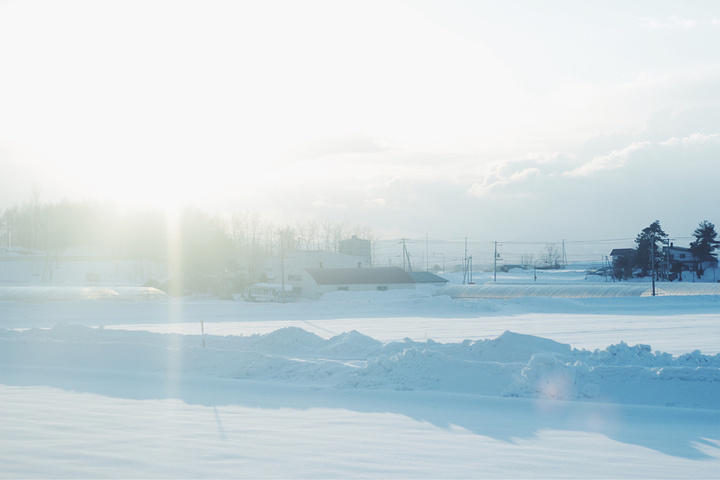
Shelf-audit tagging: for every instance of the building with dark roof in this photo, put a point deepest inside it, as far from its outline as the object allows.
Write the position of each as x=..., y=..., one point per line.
x=357, y=247
x=623, y=260
x=622, y=252
x=313, y=282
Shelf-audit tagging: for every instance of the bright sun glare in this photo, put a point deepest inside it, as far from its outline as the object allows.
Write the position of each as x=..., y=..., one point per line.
x=188, y=100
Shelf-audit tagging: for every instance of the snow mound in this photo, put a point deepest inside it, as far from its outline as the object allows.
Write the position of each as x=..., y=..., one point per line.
x=510, y=365
x=288, y=341
x=516, y=347
x=352, y=345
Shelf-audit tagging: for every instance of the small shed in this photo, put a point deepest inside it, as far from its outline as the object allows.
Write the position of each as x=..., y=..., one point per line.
x=313, y=282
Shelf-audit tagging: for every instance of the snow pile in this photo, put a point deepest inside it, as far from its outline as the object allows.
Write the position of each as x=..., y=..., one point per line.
x=578, y=290
x=45, y=293
x=512, y=364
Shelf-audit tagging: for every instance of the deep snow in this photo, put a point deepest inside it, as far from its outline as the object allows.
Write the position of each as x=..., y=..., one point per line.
x=378, y=384
x=512, y=365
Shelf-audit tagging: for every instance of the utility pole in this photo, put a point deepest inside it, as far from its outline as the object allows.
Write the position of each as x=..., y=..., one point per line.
x=667, y=242
x=465, y=270
x=652, y=260
x=282, y=265
x=406, y=255
x=608, y=265
x=427, y=254
x=564, y=255
x=495, y=264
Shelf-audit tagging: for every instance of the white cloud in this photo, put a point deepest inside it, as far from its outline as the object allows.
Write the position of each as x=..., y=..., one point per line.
x=694, y=139
x=613, y=160
x=672, y=22
x=502, y=175
x=485, y=188
x=619, y=158
x=376, y=203
x=524, y=174
x=371, y=106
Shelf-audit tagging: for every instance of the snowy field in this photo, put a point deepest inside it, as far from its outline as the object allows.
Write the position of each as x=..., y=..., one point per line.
x=399, y=384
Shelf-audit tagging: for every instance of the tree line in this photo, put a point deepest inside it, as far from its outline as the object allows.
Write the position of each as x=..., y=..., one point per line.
x=199, y=252
x=653, y=254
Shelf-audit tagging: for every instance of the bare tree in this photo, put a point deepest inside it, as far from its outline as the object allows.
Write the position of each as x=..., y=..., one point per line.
x=307, y=235
x=527, y=260
x=364, y=231
x=551, y=256
x=287, y=239
x=339, y=232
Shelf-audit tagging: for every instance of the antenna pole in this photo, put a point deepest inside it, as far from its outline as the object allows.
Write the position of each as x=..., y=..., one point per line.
x=495, y=264
x=282, y=265
x=465, y=264
x=652, y=259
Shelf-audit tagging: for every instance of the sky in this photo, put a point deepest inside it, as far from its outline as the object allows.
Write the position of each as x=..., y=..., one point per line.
x=511, y=121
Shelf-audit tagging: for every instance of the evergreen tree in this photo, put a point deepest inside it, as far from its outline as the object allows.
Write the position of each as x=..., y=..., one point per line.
x=647, y=243
x=705, y=243
x=623, y=267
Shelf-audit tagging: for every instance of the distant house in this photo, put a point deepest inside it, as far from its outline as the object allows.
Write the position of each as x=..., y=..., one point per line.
x=623, y=260
x=313, y=282
x=680, y=258
x=428, y=278
x=670, y=264
x=622, y=253
x=356, y=247
x=352, y=252
x=683, y=259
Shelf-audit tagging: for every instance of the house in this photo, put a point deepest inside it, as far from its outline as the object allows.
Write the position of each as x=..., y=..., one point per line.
x=680, y=258
x=623, y=254
x=683, y=259
x=313, y=282
x=669, y=264
x=356, y=247
x=428, y=278
x=623, y=260
x=353, y=252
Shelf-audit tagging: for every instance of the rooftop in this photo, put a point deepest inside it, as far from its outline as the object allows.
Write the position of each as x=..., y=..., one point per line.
x=359, y=276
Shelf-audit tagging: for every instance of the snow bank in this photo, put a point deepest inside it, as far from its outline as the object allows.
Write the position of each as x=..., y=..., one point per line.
x=578, y=290
x=45, y=293
x=512, y=364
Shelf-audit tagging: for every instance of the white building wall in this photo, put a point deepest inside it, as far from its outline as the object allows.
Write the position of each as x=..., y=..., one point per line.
x=303, y=284
x=363, y=287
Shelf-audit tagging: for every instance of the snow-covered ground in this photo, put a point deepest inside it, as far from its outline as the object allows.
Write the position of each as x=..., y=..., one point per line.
x=378, y=384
